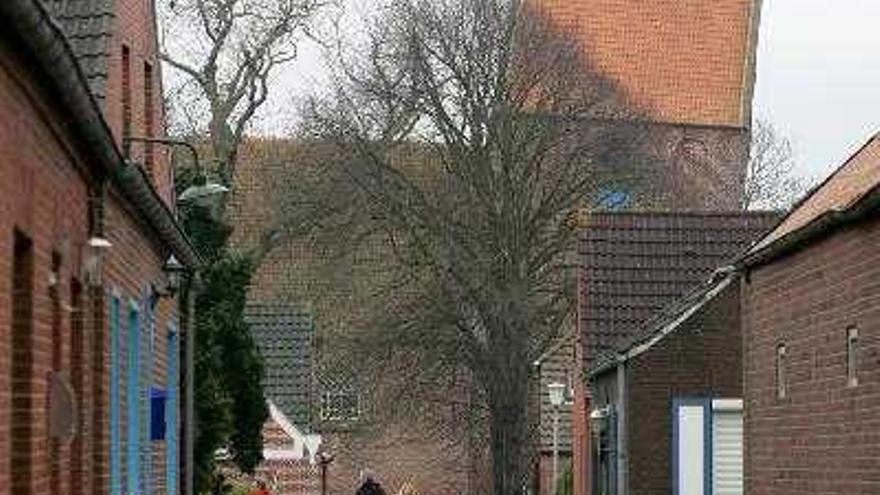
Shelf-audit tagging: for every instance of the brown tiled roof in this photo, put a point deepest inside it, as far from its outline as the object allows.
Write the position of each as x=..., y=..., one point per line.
x=88, y=26
x=845, y=187
x=636, y=264
x=679, y=61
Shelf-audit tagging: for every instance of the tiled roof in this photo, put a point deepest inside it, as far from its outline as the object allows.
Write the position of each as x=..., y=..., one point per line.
x=88, y=26
x=284, y=336
x=636, y=264
x=679, y=61
x=845, y=187
x=667, y=320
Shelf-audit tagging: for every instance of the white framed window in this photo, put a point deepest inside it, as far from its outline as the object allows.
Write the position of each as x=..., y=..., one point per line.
x=340, y=405
x=852, y=353
x=781, y=379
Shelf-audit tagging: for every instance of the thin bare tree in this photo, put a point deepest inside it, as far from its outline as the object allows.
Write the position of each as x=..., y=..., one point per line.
x=771, y=181
x=228, y=51
x=463, y=138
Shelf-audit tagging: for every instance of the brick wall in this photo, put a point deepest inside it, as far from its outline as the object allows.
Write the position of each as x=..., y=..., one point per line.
x=43, y=197
x=693, y=167
x=44, y=175
x=702, y=358
x=134, y=28
x=823, y=437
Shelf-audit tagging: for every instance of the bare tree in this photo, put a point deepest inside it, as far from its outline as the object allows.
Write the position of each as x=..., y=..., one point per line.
x=465, y=135
x=228, y=51
x=771, y=182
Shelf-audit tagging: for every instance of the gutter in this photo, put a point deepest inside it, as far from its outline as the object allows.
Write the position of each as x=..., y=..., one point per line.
x=816, y=228
x=44, y=41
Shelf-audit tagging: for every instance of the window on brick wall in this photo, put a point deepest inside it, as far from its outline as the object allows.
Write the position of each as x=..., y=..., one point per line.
x=781, y=379
x=77, y=372
x=340, y=405
x=22, y=364
x=126, y=98
x=852, y=361
x=55, y=301
x=148, y=117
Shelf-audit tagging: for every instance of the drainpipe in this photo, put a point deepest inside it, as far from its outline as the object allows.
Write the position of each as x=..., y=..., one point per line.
x=622, y=447
x=187, y=379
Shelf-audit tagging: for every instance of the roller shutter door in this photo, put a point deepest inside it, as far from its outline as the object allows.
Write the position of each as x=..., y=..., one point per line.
x=727, y=452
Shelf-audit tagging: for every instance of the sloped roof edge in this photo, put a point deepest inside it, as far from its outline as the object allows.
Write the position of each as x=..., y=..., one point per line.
x=669, y=320
x=854, y=209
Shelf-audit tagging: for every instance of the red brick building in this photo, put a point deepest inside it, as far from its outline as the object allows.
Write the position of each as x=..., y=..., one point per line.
x=89, y=328
x=683, y=368
x=686, y=69
x=634, y=269
x=414, y=450
x=812, y=340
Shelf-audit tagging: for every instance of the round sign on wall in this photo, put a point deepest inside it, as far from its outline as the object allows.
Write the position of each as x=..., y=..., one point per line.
x=62, y=408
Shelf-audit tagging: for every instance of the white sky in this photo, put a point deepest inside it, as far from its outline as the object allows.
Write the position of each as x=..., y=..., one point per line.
x=818, y=77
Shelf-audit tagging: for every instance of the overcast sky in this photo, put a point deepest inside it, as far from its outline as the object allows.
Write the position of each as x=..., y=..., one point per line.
x=819, y=76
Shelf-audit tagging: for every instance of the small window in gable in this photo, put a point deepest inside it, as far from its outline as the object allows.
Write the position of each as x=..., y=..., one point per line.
x=852, y=352
x=781, y=383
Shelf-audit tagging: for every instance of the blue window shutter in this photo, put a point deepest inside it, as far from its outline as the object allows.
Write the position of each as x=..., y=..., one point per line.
x=145, y=393
x=132, y=397
x=171, y=415
x=158, y=396
x=115, y=454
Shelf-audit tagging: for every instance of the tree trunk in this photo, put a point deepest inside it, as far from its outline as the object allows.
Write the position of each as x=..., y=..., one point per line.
x=510, y=431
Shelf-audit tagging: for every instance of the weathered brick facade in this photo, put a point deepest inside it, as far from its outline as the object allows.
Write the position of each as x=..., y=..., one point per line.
x=633, y=266
x=687, y=68
x=61, y=183
x=810, y=284
x=701, y=357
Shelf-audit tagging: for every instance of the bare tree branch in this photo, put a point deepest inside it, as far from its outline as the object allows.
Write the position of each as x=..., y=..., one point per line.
x=233, y=54
x=464, y=135
x=771, y=182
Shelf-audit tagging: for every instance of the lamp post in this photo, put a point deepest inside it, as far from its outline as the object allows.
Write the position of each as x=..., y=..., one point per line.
x=324, y=461
x=557, y=390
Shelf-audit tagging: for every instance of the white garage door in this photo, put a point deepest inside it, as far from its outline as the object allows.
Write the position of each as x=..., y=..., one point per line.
x=691, y=448
x=727, y=448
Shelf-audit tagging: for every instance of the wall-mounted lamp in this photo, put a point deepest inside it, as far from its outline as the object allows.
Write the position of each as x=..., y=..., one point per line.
x=598, y=419
x=93, y=267
x=173, y=271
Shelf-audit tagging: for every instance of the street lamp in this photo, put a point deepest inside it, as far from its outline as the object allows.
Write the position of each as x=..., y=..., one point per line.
x=201, y=192
x=324, y=461
x=557, y=393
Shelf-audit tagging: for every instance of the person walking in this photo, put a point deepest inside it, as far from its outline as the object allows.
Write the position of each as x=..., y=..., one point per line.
x=370, y=487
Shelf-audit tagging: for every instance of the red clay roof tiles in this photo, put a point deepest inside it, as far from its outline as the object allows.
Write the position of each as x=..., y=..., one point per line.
x=849, y=183
x=682, y=61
